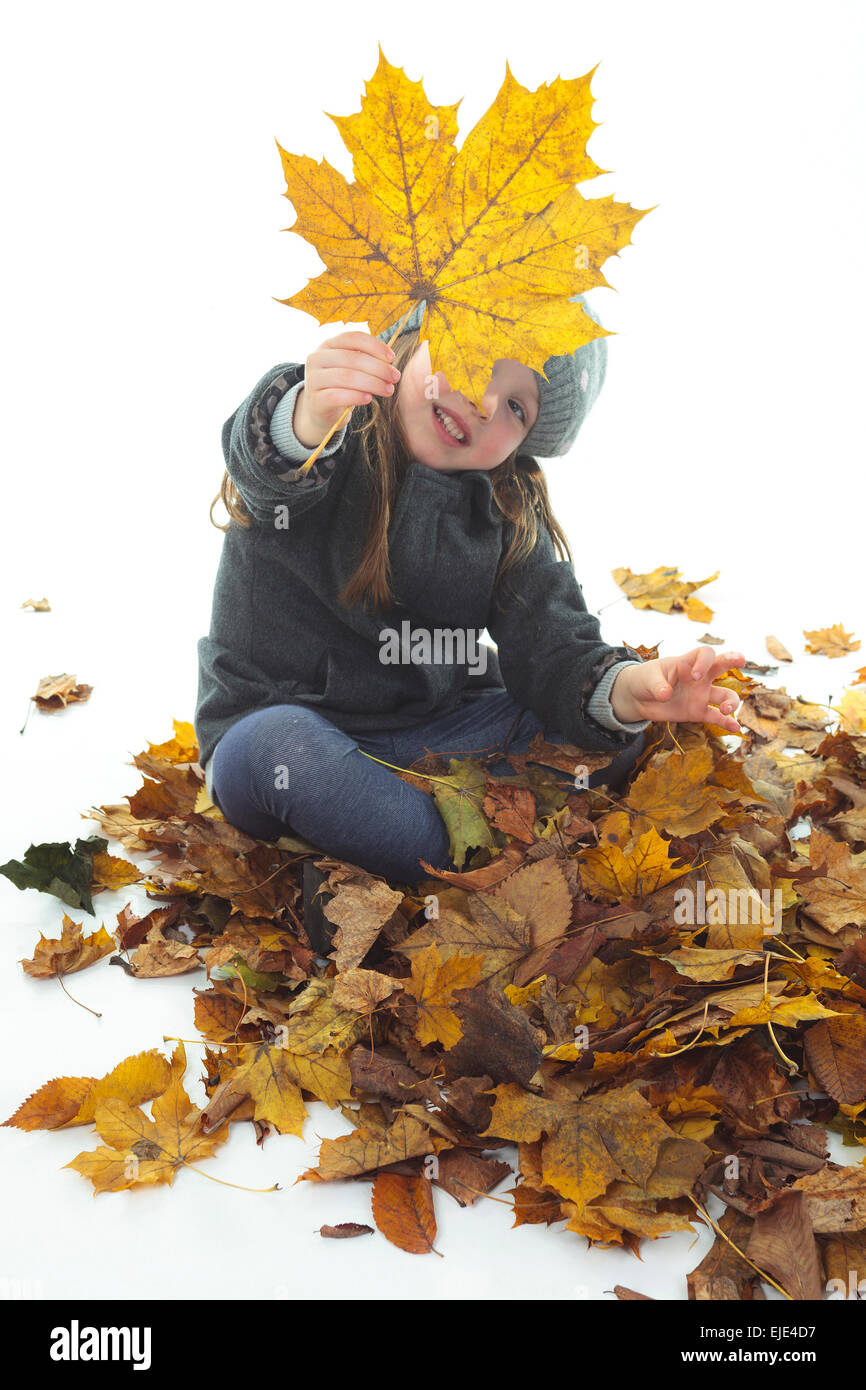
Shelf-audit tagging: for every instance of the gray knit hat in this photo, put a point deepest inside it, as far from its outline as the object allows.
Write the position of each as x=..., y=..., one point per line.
x=564, y=399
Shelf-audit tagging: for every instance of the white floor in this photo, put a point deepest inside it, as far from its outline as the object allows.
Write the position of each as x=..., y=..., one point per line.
x=142, y=310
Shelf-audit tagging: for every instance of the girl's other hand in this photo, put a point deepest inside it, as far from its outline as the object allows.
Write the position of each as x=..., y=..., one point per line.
x=679, y=689
x=343, y=371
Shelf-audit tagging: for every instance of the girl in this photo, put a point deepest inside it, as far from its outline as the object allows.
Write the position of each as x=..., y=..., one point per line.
x=349, y=600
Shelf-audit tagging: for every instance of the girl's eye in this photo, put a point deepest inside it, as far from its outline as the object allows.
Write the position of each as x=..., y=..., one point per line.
x=520, y=408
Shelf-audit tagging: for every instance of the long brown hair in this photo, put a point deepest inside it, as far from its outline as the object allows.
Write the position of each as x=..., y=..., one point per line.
x=519, y=490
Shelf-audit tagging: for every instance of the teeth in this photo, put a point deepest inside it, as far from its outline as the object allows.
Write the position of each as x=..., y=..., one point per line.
x=449, y=424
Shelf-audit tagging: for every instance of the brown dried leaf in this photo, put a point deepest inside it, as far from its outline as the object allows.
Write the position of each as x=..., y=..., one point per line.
x=403, y=1211
x=782, y=1242
x=72, y=952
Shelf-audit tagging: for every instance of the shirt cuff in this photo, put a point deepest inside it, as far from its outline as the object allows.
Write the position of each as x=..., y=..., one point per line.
x=600, y=708
x=283, y=435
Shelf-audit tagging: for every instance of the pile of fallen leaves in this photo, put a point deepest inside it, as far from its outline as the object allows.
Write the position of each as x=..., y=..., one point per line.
x=552, y=995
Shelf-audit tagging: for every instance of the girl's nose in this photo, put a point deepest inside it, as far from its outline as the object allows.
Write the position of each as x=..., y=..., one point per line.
x=485, y=410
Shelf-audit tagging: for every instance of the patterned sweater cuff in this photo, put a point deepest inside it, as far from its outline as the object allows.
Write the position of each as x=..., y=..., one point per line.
x=283, y=434
x=599, y=706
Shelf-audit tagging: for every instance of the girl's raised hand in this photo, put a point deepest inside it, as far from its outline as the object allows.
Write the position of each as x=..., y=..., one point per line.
x=342, y=372
x=679, y=689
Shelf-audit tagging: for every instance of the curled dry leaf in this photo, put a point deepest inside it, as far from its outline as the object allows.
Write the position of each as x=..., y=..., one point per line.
x=56, y=692
x=359, y=910
x=345, y=1230
x=777, y=649
x=363, y=990
x=72, y=952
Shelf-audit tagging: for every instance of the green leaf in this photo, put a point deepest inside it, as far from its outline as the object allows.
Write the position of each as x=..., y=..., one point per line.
x=54, y=867
x=253, y=979
x=459, y=798
x=549, y=788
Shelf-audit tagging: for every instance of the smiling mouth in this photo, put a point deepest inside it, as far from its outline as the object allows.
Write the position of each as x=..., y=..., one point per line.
x=448, y=426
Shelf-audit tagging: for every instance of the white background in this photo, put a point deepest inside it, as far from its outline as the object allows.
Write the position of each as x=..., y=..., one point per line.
x=143, y=257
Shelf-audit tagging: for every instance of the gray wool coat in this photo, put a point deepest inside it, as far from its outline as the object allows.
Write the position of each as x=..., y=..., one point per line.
x=279, y=634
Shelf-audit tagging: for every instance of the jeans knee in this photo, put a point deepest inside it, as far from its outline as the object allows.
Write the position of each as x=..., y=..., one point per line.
x=287, y=733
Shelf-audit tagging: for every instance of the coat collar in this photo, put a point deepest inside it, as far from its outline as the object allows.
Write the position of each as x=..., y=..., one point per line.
x=472, y=484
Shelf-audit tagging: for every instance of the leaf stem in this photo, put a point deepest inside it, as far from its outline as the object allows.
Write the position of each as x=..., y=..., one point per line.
x=348, y=411
x=686, y=1047
x=446, y=781
x=240, y=1187
x=716, y=1227
x=792, y=1066
x=95, y=1012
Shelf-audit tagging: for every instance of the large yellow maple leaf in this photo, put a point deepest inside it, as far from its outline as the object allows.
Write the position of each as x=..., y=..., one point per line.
x=612, y=875
x=142, y=1150
x=494, y=237
x=676, y=792
x=432, y=985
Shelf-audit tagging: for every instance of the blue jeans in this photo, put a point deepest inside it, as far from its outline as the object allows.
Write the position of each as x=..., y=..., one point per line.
x=287, y=769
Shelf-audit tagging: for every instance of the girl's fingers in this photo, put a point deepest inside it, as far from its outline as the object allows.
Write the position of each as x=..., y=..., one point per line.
x=675, y=670
x=694, y=664
x=666, y=679
x=706, y=665
x=727, y=700
x=355, y=378
x=687, y=670
x=369, y=352
x=722, y=721
x=360, y=364
x=353, y=342
x=726, y=660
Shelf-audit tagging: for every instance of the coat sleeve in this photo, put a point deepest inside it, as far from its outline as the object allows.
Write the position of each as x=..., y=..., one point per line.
x=265, y=477
x=550, y=648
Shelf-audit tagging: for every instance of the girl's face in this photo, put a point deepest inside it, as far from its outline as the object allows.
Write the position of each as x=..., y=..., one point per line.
x=510, y=404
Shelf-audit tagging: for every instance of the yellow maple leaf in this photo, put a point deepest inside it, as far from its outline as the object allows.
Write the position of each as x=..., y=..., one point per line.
x=517, y=994
x=608, y=873
x=830, y=641
x=494, y=236
x=315, y=1023
x=363, y=1151
x=852, y=708
x=433, y=983
x=604, y=1222
x=675, y=790
x=662, y=590
x=268, y=1076
x=141, y=1150
x=183, y=748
